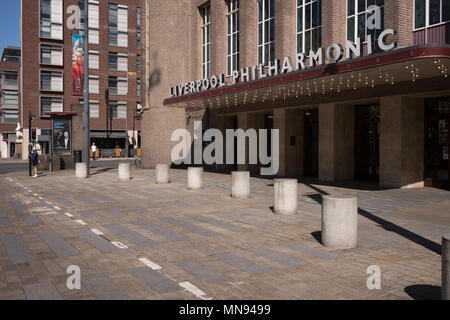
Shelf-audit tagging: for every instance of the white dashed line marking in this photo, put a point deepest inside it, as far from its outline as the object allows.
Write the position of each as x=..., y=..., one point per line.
x=81, y=222
x=119, y=245
x=57, y=208
x=194, y=290
x=69, y=215
x=97, y=232
x=150, y=264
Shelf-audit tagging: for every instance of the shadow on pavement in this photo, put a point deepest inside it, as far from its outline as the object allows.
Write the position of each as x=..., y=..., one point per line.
x=424, y=292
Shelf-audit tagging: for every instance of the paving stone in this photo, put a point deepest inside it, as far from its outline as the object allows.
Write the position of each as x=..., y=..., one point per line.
x=98, y=242
x=191, y=227
x=58, y=245
x=278, y=257
x=169, y=234
x=61, y=217
x=245, y=220
x=5, y=223
x=310, y=250
x=17, y=249
x=33, y=220
x=88, y=214
x=241, y=263
x=201, y=271
x=103, y=288
x=130, y=235
x=218, y=223
x=115, y=211
x=42, y=291
x=268, y=216
x=155, y=280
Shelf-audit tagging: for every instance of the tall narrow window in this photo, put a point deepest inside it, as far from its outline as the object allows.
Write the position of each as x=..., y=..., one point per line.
x=206, y=47
x=51, y=19
x=138, y=28
x=266, y=31
x=118, y=25
x=357, y=13
x=233, y=35
x=309, y=25
x=431, y=12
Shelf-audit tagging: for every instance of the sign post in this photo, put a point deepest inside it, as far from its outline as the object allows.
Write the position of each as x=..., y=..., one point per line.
x=86, y=140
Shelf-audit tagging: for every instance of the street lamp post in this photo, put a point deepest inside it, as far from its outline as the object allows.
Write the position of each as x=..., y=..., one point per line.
x=86, y=140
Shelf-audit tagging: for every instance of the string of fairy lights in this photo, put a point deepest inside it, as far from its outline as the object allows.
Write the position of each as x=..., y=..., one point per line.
x=312, y=91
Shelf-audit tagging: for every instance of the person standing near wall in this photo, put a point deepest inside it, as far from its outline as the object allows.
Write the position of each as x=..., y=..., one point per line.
x=35, y=162
x=94, y=150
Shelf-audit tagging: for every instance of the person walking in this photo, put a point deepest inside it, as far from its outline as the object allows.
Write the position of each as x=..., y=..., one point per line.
x=34, y=162
x=94, y=150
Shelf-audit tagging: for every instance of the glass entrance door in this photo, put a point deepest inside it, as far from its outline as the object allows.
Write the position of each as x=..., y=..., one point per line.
x=367, y=130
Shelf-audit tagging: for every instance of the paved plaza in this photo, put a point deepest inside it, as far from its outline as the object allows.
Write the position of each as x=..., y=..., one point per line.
x=139, y=240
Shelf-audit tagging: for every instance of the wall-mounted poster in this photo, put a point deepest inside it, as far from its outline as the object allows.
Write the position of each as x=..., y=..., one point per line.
x=62, y=135
x=77, y=68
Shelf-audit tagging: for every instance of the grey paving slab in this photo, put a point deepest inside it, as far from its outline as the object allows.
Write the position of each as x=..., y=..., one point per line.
x=18, y=206
x=65, y=202
x=278, y=257
x=218, y=223
x=310, y=250
x=234, y=217
x=41, y=291
x=115, y=211
x=157, y=229
x=181, y=204
x=163, y=193
x=160, y=206
x=17, y=249
x=147, y=195
x=5, y=223
x=103, y=288
x=58, y=245
x=155, y=280
x=61, y=217
x=33, y=220
x=267, y=216
x=95, y=240
x=377, y=241
x=201, y=271
x=241, y=263
x=88, y=200
x=191, y=227
x=203, y=202
x=89, y=214
x=130, y=235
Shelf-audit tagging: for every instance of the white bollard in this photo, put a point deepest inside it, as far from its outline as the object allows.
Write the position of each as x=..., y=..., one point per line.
x=162, y=173
x=81, y=170
x=240, y=184
x=285, y=196
x=195, y=178
x=124, y=171
x=445, y=252
x=340, y=222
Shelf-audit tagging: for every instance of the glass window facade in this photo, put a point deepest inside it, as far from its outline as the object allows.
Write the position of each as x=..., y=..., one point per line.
x=431, y=12
x=357, y=14
x=232, y=35
x=266, y=31
x=206, y=40
x=309, y=25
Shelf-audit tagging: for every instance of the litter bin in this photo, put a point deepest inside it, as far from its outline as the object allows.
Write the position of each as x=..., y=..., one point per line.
x=77, y=156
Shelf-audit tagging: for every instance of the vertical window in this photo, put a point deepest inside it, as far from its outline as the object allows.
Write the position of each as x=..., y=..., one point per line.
x=309, y=25
x=357, y=13
x=94, y=84
x=118, y=109
x=266, y=31
x=138, y=87
x=138, y=63
x=431, y=12
x=94, y=59
x=10, y=98
x=10, y=115
x=51, y=81
x=51, y=55
x=51, y=19
x=94, y=109
x=118, y=61
x=51, y=104
x=9, y=79
x=118, y=85
x=206, y=47
x=138, y=28
x=118, y=25
x=233, y=35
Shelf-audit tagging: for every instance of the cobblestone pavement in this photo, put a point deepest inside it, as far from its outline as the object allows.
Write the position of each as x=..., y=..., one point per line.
x=180, y=244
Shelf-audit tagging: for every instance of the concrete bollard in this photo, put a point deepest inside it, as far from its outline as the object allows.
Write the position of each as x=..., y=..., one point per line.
x=162, y=173
x=285, y=196
x=340, y=222
x=240, y=184
x=124, y=171
x=195, y=178
x=445, y=252
x=81, y=170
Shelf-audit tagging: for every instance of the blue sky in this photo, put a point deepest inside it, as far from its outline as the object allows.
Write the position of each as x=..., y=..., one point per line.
x=9, y=23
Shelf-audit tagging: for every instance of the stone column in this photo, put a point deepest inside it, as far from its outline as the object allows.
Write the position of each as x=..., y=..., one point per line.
x=195, y=178
x=240, y=184
x=336, y=142
x=285, y=196
x=81, y=170
x=162, y=173
x=125, y=171
x=401, y=142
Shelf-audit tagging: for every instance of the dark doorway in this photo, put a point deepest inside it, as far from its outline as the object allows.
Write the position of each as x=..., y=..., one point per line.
x=437, y=142
x=311, y=143
x=12, y=150
x=367, y=131
x=235, y=127
x=268, y=125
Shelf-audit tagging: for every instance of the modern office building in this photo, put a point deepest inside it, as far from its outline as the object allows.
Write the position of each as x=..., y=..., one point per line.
x=10, y=115
x=49, y=43
x=358, y=92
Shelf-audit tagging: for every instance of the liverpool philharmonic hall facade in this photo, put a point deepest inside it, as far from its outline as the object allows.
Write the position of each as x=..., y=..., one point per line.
x=359, y=89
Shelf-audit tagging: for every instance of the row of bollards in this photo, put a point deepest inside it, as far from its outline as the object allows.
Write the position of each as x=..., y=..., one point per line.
x=339, y=214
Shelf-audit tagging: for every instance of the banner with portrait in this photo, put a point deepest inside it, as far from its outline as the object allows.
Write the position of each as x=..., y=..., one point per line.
x=77, y=67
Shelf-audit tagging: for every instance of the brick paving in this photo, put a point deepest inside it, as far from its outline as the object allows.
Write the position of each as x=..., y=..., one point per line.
x=224, y=248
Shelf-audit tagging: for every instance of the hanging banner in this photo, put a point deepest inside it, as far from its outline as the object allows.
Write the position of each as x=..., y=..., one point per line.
x=77, y=58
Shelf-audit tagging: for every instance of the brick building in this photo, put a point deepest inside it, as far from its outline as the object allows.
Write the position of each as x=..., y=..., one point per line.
x=10, y=115
x=372, y=104
x=115, y=51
